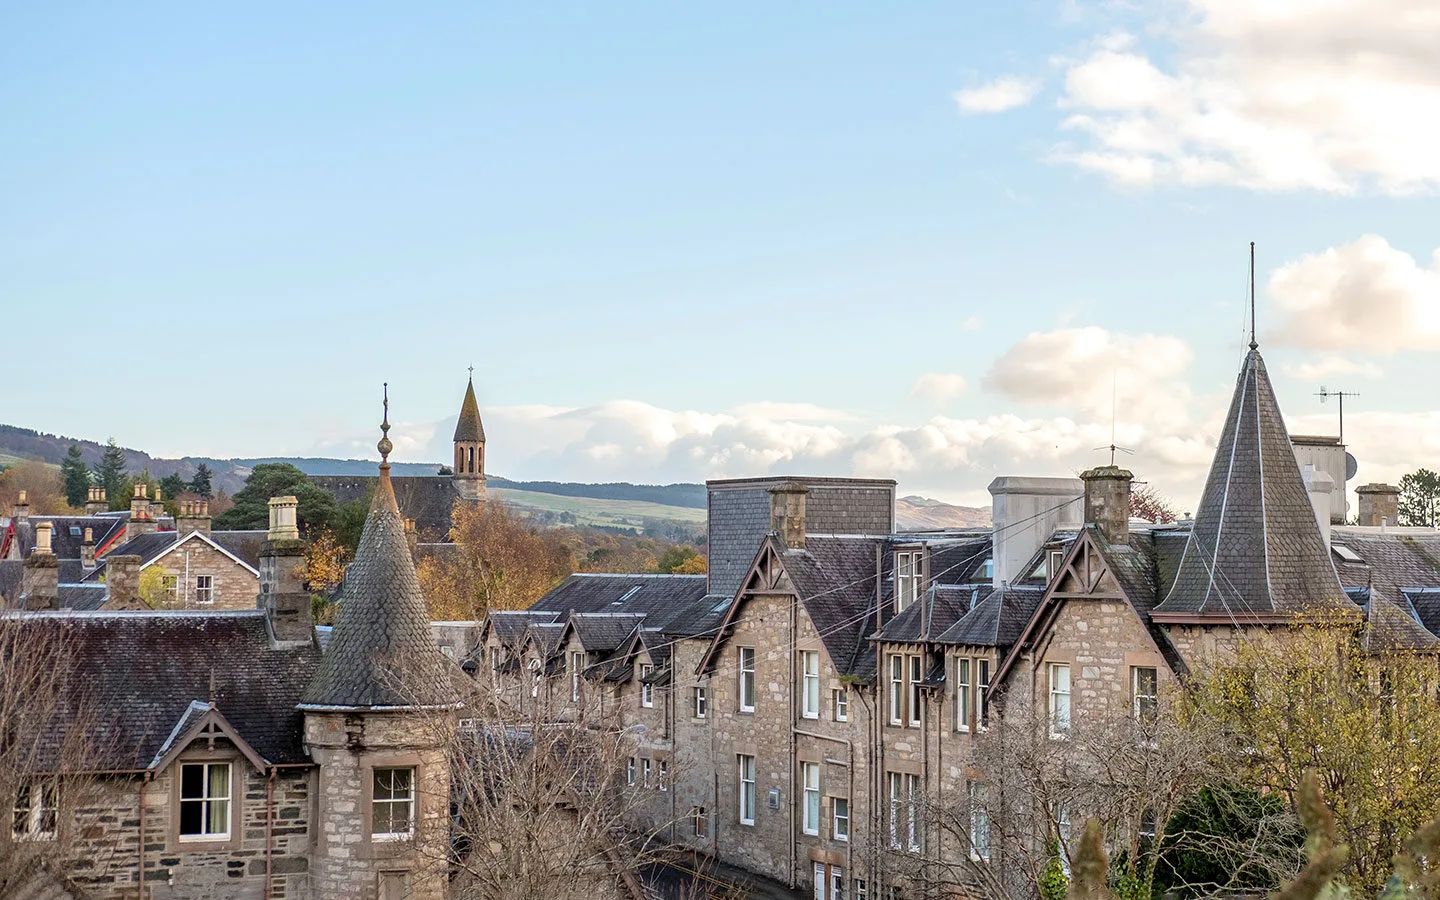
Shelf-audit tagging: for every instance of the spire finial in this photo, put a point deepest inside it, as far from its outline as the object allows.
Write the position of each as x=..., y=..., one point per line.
x=1253, y=344
x=472, y=373
x=385, y=446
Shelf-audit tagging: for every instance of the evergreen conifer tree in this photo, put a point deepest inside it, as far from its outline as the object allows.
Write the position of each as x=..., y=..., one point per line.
x=111, y=475
x=200, y=484
x=76, y=477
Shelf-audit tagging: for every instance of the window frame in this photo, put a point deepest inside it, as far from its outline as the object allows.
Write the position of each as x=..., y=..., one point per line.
x=841, y=700
x=982, y=693
x=577, y=662
x=700, y=701
x=810, y=798
x=206, y=835
x=913, y=826
x=662, y=774
x=1153, y=698
x=35, y=815
x=205, y=590
x=836, y=831
x=631, y=765
x=1053, y=670
x=978, y=793
x=897, y=690
x=962, y=693
x=895, y=785
x=747, y=793
x=647, y=771
x=915, y=670
x=746, y=675
x=904, y=580
x=647, y=688
x=411, y=802
x=809, y=684
x=701, y=820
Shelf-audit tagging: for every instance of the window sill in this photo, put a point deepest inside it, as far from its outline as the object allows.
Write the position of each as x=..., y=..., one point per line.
x=749, y=824
x=392, y=837
x=29, y=838
x=746, y=712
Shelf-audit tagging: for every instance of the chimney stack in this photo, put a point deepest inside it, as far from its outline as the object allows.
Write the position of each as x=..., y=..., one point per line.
x=21, y=512
x=194, y=516
x=1379, y=504
x=1107, y=501
x=1024, y=512
x=40, y=581
x=787, y=513
x=157, y=506
x=87, y=550
x=122, y=577
x=140, y=520
x=283, y=595
x=411, y=536
x=96, y=503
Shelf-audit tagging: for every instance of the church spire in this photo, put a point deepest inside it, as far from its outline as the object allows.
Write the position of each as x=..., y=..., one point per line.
x=470, y=447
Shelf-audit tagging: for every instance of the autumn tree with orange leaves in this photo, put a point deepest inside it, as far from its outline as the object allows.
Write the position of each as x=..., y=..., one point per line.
x=500, y=561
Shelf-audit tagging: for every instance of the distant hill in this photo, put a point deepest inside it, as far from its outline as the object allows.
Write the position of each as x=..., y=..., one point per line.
x=678, y=502
x=916, y=513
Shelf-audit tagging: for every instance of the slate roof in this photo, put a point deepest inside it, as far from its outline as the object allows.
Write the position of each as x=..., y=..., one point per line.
x=738, y=517
x=142, y=671
x=661, y=599
x=245, y=545
x=83, y=597
x=1392, y=625
x=427, y=499
x=605, y=632
x=511, y=626
x=835, y=579
x=1255, y=548
x=1403, y=558
x=469, y=427
x=997, y=619
x=12, y=574
x=381, y=652
x=657, y=646
x=942, y=607
x=69, y=532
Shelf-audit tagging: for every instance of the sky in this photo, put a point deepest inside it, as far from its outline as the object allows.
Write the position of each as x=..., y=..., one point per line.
x=934, y=241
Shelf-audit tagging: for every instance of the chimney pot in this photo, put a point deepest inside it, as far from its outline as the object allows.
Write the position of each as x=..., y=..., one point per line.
x=1107, y=501
x=283, y=524
x=43, y=533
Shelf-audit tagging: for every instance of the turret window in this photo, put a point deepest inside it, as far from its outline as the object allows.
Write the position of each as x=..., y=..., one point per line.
x=393, y=804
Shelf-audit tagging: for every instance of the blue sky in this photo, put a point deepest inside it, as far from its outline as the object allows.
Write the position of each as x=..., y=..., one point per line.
x=678, y=242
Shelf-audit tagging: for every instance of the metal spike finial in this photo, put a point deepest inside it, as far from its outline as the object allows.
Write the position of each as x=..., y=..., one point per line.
x=385, y=446
x=472, y=373
x=1253, y=344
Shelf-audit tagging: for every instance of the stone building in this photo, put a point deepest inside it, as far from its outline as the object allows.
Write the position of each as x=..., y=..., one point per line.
x=837, y=676
x=231, y=758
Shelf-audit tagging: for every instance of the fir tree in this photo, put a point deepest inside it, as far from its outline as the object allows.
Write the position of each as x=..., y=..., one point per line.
x=76, y=477
x=173, y=485
x=111, y=475
x=200, y=484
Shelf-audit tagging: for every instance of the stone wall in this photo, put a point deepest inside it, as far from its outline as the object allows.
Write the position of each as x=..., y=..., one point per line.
x=108, y=851
x=1101, y=641
x=235, y=586
x=348, y=862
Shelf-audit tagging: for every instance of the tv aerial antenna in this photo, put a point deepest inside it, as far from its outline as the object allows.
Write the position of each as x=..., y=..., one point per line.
x=1112, y=446
x=1325, y=394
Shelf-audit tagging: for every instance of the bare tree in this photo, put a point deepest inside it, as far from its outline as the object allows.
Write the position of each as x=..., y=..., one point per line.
x=49, y=746
x=1017, y=832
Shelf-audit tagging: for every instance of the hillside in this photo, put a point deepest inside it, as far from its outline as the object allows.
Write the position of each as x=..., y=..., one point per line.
x=613, y=504
x=914, y=513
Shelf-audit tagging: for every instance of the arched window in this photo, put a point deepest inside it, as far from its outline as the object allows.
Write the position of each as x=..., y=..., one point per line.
x=472, y=460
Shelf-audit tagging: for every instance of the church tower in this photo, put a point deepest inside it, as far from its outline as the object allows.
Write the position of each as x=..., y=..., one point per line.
x=470, y=448
x=379, y=716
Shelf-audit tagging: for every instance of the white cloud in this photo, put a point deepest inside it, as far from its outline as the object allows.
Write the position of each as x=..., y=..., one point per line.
x=1092, y=371
x=1005, y=92
x=1365, y=296
x=1330, y=366
x=1337, y=96
x=938, y=386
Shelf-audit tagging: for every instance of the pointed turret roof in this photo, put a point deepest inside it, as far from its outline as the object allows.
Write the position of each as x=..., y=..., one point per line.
x=469, y=427
x=381, y=653
x=1255, y=549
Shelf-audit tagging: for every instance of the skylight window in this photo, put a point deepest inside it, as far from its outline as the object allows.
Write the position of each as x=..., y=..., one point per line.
x=1346, y=553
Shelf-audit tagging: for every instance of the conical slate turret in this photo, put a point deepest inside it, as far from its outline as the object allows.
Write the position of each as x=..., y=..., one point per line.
x=1255, y=549
x=382, y=653
x=469, y=428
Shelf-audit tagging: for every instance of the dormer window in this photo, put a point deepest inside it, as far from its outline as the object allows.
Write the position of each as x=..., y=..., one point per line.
x=909, y=578
x=986, y=570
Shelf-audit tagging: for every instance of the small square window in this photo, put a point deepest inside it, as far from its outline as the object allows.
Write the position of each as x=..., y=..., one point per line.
x=393, y=804
x=204, y=589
